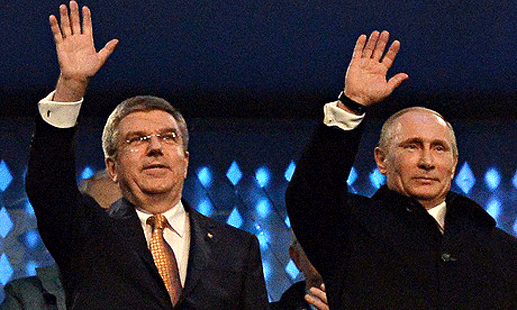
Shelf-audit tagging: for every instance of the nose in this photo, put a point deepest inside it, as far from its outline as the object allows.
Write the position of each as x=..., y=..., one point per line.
x=154, y=145
x=426, y=160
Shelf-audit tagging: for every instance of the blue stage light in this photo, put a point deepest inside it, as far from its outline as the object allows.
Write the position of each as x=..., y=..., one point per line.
x=465, y=178
x=235, y=219
x=292, y=270
x=263, y=208
x=205, y=176
x=377, y=178
x=262, y=176
x=290, y=171
x=6, y=271
x=5, y=223
x=492, y=178
x=234, y=173
x=5, y=176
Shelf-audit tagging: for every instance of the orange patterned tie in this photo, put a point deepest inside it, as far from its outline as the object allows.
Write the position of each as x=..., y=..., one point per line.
x=164, y=257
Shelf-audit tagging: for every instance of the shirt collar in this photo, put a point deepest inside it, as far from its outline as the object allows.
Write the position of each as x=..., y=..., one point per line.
x=176, y=216
x=438, y=213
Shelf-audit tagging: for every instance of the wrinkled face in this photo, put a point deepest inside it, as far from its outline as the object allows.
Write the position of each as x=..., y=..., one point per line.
x=156, y=165
x=419, y=161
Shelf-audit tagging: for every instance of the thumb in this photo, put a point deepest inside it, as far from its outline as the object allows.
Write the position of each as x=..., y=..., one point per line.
x=108, y=49
x=396, y=80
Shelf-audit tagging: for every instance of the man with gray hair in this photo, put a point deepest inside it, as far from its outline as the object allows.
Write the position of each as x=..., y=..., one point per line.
x=150, y=250
x=414, y=244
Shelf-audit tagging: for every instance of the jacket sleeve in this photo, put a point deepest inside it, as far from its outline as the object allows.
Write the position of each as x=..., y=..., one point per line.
x=52, y=190
x=316, y=197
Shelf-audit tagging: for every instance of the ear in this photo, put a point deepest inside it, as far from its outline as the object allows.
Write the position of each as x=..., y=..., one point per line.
x=454, y=167
x=111, y=166
x=187, y=156
x=380, y=159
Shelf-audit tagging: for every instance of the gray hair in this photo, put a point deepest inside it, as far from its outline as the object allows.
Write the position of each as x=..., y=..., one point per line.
x=138, y=104
x=387, y=128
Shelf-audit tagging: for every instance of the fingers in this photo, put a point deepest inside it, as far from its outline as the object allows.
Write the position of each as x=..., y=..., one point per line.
x=65, y=21
x=359, y=46
x=87, y=21
x=380, y=45
x=56, y=31
x=390, y=56
x=370, y=45
x=75, y=19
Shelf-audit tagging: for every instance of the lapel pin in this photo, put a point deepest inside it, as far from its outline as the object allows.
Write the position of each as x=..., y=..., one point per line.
x=209, y=235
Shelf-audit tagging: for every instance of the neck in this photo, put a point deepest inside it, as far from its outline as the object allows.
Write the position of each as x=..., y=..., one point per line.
x=154, y=203
x=428, y=205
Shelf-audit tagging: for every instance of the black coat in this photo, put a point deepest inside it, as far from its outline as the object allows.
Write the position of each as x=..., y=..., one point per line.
x=386, y=252
x=103, y=257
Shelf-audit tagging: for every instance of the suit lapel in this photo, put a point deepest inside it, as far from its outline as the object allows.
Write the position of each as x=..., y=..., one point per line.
x=128, y=225
x=201, y=234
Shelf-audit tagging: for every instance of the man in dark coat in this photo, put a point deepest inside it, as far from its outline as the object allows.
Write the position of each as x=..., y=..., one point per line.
x=104, y=258
x=414, y=244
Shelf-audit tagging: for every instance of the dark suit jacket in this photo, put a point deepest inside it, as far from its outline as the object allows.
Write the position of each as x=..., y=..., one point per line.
x=103, y=257
x=386, y=252
x=41, y=292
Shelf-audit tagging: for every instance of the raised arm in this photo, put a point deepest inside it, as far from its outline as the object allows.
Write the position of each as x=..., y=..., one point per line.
x=366, y=79
x=78, y=59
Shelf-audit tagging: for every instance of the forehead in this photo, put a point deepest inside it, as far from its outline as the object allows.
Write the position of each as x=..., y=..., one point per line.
x=147, y=121
x=423, y=125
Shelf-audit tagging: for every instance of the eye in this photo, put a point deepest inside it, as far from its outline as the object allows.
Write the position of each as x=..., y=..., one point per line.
x=440, y=148
x=134, y=140
x=411, y=146
x=169, y=137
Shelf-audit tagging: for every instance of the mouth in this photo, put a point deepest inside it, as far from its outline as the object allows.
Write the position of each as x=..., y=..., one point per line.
x=425, y=180
x=155, y=166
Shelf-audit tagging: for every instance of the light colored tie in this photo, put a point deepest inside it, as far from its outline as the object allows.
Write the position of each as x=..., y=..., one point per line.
x=164, y=258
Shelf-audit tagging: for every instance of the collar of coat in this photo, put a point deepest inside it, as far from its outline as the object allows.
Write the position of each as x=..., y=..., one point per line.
x=457, y=206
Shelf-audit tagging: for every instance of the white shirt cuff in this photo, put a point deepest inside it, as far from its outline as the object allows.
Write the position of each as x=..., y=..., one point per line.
x=335, y=116
x=59, y=114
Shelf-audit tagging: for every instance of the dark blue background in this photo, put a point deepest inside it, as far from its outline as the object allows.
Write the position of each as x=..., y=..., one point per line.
x=263, y=58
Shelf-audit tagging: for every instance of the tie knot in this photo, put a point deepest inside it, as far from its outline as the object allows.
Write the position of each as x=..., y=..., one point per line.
x=157, y=221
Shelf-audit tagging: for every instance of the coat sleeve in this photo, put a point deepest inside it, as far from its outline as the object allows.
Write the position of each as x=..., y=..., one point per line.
x=52, y=190
x=316, y=197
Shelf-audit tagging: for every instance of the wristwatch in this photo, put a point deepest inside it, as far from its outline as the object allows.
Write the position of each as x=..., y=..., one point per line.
x=352, y=105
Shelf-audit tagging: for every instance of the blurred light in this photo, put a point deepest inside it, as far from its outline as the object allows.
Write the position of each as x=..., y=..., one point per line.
x=30, y=268
x=377, y=178
x=492, y=178
x=514, y=227
x=205, y=176
x=235, y=218
x=290, y=171
x=234, y=174
x=5, y=176
x=267, y=269
x=28, y=209
x=205, y=207
x=6, y=271
x=262, y=175
x=494, y=208
x=263, y=208
x=465, y=178
x=263, y=239
x=5, y=223
x=514, y=180
x=287, y=222
x=352, y=176
x=292, y=270
x=87, y=173
x=31, y=238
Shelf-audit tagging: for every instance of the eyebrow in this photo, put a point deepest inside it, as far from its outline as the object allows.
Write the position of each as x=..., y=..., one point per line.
x=143, y=133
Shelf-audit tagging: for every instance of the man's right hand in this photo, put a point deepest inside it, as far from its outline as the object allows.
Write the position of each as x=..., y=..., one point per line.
x=366, y=78
x=78, y=59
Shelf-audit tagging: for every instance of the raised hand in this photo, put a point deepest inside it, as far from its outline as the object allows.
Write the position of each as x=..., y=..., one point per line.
x=78, y=59
x=366, y=77
x=318, y=297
